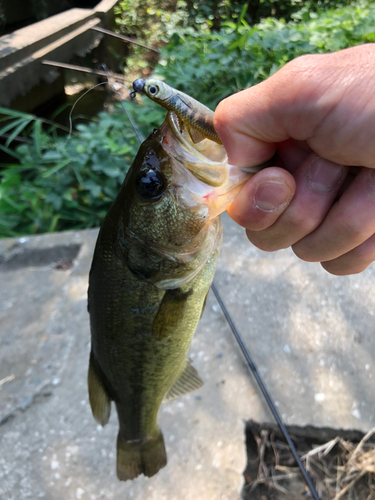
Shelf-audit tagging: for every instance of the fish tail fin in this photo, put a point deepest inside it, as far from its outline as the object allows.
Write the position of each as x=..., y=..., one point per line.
x=145, y=456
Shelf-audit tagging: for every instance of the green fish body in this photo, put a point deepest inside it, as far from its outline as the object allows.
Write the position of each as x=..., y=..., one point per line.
x=153, y=265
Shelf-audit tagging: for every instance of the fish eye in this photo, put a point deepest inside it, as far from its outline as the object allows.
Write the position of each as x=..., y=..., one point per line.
x=150, y=185
x=153, y=89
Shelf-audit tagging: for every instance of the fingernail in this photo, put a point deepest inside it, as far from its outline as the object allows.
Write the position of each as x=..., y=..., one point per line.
x=324, y=175
x=269, y=196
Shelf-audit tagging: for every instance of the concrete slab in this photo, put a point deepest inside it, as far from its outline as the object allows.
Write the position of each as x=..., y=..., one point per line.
x=24, y=74
x=20, y=44
x=311, y=335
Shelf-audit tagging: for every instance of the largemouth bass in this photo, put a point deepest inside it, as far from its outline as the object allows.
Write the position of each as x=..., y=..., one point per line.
x=153, y=265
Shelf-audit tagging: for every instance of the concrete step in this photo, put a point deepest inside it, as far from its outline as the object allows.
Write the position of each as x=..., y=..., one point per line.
x=311, y=335
x=22, y=43
x=20, y=77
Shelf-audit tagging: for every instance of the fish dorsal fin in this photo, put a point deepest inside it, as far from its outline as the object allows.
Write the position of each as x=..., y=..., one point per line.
x=188, y=381
x=99, y=400
x=195, y=135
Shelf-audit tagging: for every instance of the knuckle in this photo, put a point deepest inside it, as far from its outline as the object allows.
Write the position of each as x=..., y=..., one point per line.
x=264, y=241
x=351, y=227
x=300, y=222
x=339, y=268
x=305, y=252
x=300, y=66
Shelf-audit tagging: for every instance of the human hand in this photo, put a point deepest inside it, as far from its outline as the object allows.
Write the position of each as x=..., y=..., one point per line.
x=318, y=114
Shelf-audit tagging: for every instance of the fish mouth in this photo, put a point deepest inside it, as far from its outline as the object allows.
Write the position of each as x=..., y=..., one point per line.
x=205, y=152
x=212, y=181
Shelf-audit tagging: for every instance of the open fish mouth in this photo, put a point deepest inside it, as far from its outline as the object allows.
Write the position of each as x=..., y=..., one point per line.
x=212, y=181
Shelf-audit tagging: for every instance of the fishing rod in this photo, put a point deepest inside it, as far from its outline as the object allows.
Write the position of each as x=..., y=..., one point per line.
x=266, y=395
x=122, y=37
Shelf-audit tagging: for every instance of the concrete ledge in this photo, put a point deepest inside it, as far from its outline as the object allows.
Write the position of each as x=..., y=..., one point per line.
x=20, y=44
x=311, y=335
x=21, y=77
x=59, y=37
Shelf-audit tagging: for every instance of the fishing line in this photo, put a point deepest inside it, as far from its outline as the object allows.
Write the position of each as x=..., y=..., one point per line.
x=136, y=130
x=74, y=105
x=266, y=395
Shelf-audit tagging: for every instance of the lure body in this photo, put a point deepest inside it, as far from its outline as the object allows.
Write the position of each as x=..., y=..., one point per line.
x=196, y=117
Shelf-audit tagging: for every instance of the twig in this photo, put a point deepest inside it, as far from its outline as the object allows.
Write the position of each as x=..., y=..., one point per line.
x=326, y=448
x=343, y=491
x=360, y=444
x=17, y=139
x=275, y=452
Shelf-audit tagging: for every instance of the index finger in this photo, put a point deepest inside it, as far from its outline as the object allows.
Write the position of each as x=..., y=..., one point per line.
x=327, y=100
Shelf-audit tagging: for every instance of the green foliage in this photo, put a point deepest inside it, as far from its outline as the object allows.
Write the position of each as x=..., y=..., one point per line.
x=211, y=66
x=152, y=23
x=217, y=13
x=68, y=184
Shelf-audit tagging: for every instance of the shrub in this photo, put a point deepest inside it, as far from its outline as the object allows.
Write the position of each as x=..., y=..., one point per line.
x=62, y=184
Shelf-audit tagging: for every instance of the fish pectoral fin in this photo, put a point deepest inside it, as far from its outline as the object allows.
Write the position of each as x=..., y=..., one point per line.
x=188, y=381
x=100, y=402
x=204, y=303
x=195, y=135
x=171, y=312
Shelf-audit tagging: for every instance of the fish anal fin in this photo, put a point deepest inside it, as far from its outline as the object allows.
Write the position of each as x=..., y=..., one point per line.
x=188, y=381
x=145, y=456
x=100, y=402
x=171, y=311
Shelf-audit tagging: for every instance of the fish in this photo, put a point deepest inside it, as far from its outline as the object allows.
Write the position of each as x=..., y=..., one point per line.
x=153, y=265
x=194, y=115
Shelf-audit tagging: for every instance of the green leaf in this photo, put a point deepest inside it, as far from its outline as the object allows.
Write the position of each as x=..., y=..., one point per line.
x=242, y=15
x=56, y=168
x=54, y=199
x=15, y=114
x=10, y=152
x=53, y=225
x=37, y=136
x=16, y=132
x=11, y=125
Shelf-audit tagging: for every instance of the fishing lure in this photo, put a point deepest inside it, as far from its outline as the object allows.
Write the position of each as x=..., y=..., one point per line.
x=195, y=116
